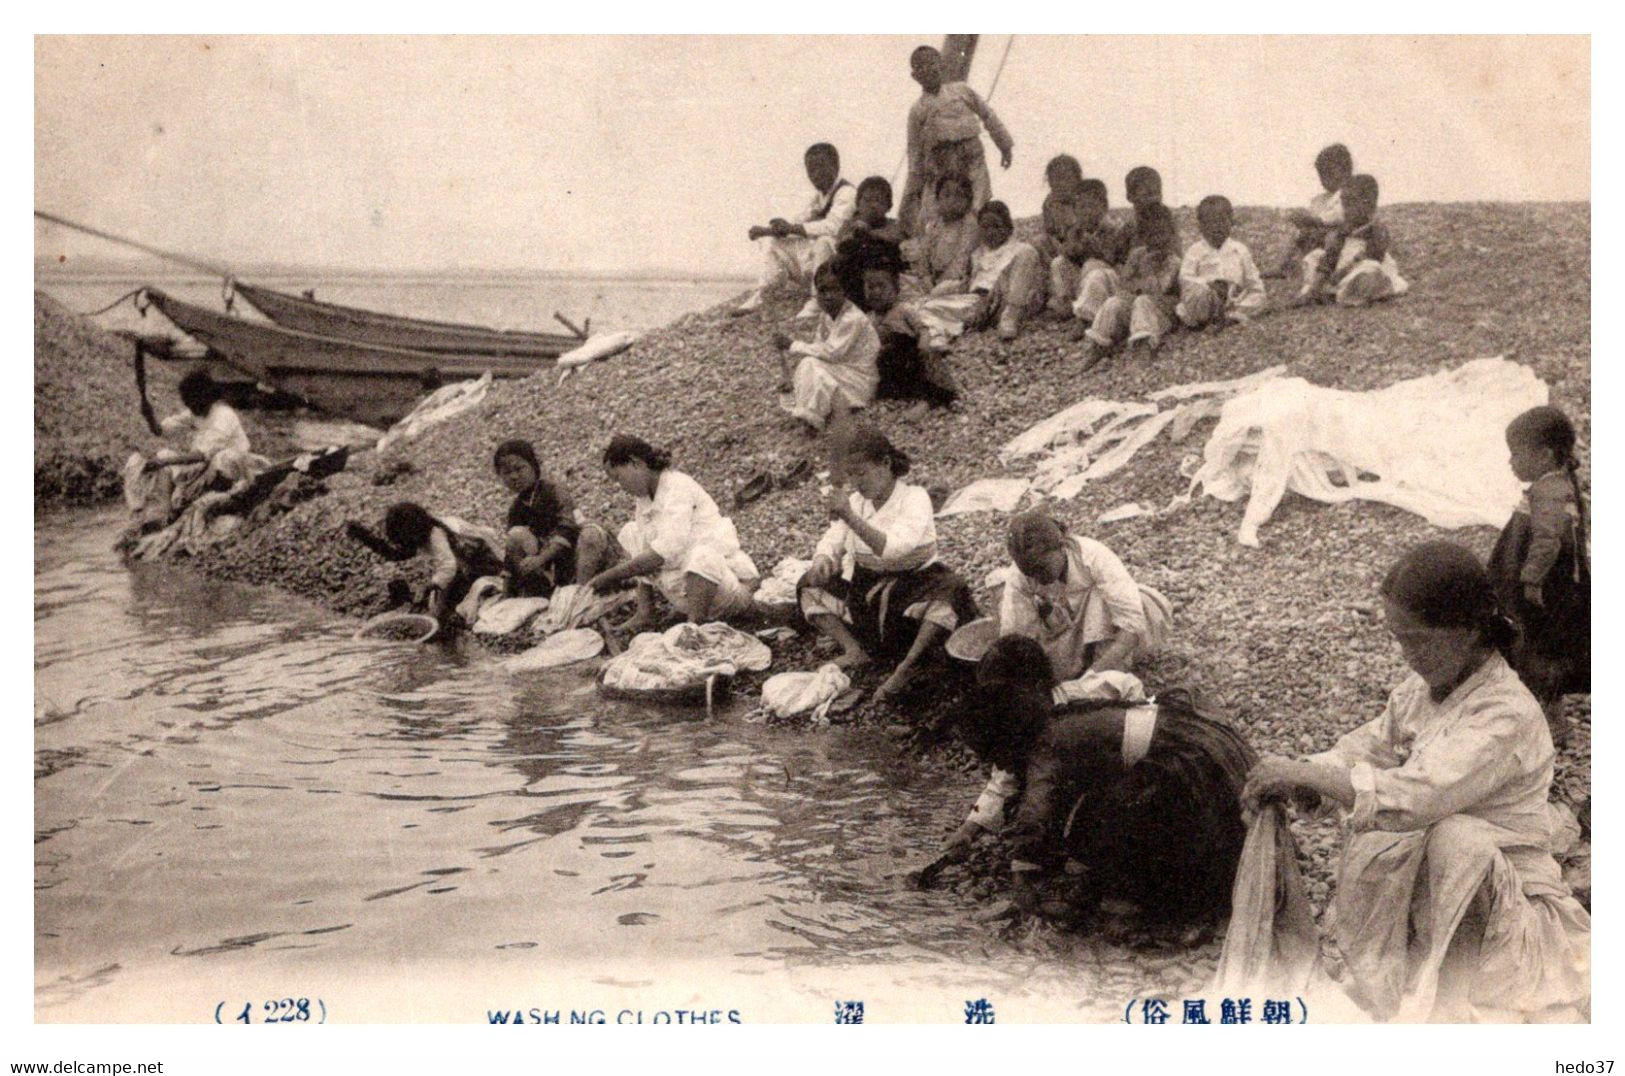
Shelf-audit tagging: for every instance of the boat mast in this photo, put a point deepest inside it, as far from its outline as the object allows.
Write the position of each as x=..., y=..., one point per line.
x=957, y=52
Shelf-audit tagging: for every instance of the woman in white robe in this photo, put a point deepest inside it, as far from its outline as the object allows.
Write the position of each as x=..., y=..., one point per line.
x=1449, y=905
x=677, y=541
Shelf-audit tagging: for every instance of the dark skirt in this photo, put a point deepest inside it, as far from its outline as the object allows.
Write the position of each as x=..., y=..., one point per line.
x=909, y=373
x=876, y=601
x=1169, y=834
x=1553, y=654
x=560, y=572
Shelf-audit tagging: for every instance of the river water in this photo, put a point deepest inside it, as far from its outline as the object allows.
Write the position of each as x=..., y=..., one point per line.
x=235, y=802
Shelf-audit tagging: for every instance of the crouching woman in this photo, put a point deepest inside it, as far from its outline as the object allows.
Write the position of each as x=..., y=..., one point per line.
x=1449, y=905
x=1143, y=800
x=876, y=586
x=677, y=540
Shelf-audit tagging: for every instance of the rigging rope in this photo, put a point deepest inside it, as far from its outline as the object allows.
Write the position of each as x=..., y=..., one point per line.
x=111, y=305
x=182, y=259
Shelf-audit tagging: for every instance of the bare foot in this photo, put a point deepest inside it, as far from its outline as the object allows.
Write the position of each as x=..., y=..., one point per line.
x=635, y=623
x=852, y=662
x=895, y=684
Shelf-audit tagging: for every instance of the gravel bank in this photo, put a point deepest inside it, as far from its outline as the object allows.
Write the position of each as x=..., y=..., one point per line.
x=1282, y=638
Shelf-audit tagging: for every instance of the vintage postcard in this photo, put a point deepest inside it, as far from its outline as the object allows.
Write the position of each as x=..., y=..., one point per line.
x=936, y=529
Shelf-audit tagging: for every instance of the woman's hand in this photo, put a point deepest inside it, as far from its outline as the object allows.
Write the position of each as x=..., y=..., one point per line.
x=837, y=500
x=820, y=574
x=1273, y=779
x=604, y=581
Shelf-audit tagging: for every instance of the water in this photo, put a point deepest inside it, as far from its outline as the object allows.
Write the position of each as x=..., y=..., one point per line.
x=611, y=303
x=235, y=801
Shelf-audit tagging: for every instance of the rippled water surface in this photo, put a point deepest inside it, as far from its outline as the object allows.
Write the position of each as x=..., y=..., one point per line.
x=235, y=801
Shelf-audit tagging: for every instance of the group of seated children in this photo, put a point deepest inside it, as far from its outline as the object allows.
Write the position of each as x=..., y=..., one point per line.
x=960, y=267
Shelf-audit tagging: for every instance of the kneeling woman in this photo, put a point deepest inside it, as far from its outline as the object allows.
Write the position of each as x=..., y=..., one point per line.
x=218, y=456
x=544, y=527
x=1449, y=905
x=1145, y=797
x=875, y=585
x=676, y=535
x=458, y=553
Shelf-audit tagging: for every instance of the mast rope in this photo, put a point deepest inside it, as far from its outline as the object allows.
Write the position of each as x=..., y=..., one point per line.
x=168, y=255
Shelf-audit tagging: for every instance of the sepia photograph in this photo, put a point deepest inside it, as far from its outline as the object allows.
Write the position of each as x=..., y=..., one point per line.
x=895, y=529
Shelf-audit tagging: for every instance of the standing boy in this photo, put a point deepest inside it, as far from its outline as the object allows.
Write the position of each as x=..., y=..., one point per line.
x=945, y=136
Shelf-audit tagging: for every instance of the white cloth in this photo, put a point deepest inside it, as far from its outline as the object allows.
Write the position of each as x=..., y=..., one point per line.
x=1231, y=263
x=986, y=495
x=1447, y=891
x=840, y=358
x=435, y=408
x=507, y=615
x=779, y=588
x=560, y=648
x=684, y=656
x=906, y=519
x=575, y=605
x=1391, y=445
x=792, y=693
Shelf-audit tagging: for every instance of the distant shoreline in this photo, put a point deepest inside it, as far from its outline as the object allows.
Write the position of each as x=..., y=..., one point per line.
x=112, y=275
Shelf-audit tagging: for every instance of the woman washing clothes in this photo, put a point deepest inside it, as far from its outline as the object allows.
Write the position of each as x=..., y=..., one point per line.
x=677, y=541
x=1449, y=905
x=876, y=585
x=1140, y=801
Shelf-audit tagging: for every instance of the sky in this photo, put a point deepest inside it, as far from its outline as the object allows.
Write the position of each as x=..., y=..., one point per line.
x=649, y=154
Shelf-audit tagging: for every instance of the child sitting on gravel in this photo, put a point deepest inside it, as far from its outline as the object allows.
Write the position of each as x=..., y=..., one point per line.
x=1006, y=286
x=1061, y=205
x=1218, y=281
x=458, y=553
x=940, y=257
x=1147, y=292
x=835, y=372
x=1085, y=274
x=1356, y=264
x=869, y=231
x=1143, y=188
x=792, y=250
x=1540, y=566
x=1334, y=166
x=909, y=367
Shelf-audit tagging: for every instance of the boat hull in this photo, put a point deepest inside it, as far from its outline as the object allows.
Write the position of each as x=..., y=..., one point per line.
x=365, y=382
x=390, y=330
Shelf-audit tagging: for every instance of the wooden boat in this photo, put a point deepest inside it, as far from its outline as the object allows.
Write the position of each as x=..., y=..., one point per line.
x=389, y=330
x=357, y=380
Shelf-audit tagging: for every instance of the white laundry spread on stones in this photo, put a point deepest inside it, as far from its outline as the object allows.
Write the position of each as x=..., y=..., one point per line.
x=435, y=408
x=1434, y=445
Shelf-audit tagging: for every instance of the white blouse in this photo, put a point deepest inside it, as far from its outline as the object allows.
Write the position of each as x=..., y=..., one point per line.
x=906, y=519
